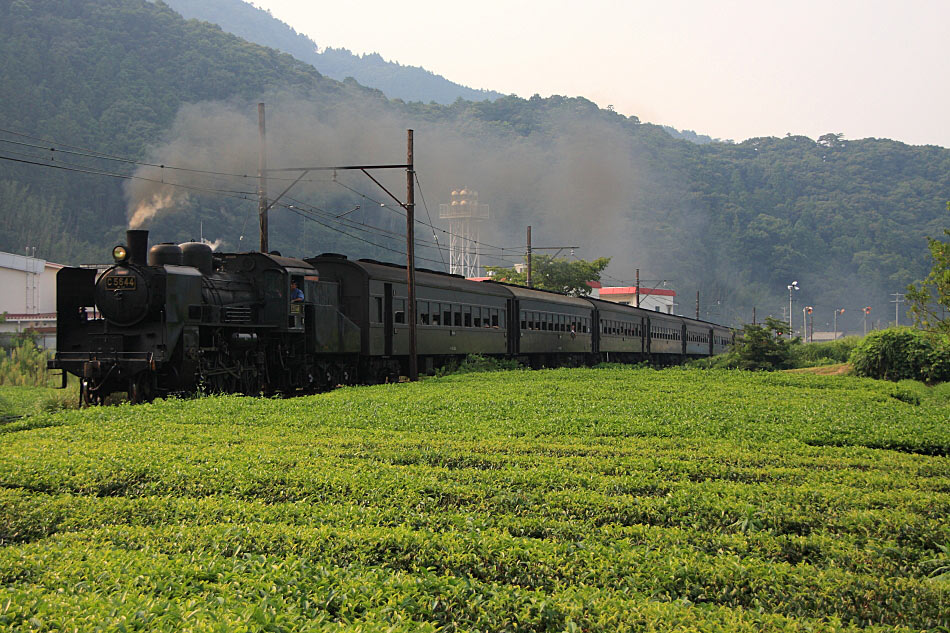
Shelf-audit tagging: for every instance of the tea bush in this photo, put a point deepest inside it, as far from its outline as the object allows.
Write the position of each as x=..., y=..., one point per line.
x=903, y=353
x=823, y=353
x=610, y=499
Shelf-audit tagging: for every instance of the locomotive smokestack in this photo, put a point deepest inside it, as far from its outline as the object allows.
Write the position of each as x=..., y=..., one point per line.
x=137, y=242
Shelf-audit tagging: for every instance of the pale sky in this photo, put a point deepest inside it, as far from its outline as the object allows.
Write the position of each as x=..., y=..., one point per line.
x=729, y=69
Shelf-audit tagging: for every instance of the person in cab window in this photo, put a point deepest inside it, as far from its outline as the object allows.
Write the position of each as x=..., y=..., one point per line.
x=296, y=294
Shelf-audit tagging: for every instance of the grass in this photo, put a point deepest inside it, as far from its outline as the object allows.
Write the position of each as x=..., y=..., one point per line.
x=564, y=500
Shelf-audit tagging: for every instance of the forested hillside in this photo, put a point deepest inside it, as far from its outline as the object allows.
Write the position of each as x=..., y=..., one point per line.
x=846, y=218
x=409, y=83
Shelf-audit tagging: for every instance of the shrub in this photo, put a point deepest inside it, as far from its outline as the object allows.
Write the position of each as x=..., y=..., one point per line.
x=477, y=363
x=824, y=353
x=24, y=365
x=902, y=353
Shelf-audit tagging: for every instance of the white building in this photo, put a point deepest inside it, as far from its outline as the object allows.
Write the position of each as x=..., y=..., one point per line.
x=28, y=297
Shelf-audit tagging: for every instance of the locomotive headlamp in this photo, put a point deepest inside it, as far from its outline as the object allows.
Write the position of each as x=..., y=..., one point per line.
x=120, y=254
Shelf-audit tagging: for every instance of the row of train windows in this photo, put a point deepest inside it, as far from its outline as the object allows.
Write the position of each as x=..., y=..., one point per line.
x=620, y=328
x=456, y=315
x=693, y=337
x=550, y=322
x=722, y=340
x=665, y=333
x=442, y=314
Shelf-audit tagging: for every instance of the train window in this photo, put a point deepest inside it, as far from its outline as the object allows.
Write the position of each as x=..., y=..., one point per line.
x=422, y=310
x=476, y=317
x=436, y=314
x=399, y=310
x=467, y=316
x=377, y=313
x=457, y=316
x=524, y=320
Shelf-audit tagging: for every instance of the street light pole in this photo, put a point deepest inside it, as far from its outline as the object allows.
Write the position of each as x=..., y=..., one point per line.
x=791, y=286
x=837, y=312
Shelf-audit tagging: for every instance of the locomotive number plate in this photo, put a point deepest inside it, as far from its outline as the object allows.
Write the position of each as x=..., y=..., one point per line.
x=121, y=283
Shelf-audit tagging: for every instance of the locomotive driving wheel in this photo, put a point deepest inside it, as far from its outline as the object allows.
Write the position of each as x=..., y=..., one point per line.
x=141, y=388
x=88, y=395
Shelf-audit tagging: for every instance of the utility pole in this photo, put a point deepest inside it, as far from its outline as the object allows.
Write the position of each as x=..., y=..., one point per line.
x=638, y=288
x=753, y=315
x=529, y=256
x=411, y=257
x=409, y=206
x=897, y=301
x=530, y=250
x=837, y=312
x=262, y=178
x=697, y=305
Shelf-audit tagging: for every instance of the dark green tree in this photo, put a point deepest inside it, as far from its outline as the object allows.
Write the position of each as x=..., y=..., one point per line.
x=930, y=299
x=762, y=347
x=557, y=274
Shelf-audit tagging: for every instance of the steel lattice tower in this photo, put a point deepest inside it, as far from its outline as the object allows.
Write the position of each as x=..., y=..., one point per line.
x=464, y=214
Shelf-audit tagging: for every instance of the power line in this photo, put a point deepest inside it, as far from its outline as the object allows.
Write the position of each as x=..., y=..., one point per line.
x=435, y=228
x=90, y=153
x=101, y=172
x=426, y=207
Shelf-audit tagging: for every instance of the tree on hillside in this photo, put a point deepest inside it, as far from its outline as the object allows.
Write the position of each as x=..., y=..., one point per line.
x=557, y=274
x=930, y=298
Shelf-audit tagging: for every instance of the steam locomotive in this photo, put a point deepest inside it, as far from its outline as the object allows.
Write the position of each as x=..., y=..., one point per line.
x=181, y=318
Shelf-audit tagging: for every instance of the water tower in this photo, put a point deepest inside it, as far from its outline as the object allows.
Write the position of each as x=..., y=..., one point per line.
x=464, y=214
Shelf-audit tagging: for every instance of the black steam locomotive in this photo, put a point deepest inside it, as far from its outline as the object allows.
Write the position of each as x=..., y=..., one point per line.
x=181, y=318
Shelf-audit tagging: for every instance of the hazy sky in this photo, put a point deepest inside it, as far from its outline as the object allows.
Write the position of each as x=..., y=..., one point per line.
x=730, y=69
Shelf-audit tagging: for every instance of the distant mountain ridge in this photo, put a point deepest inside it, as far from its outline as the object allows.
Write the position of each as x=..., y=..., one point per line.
x=737, y=221
x=409, y=83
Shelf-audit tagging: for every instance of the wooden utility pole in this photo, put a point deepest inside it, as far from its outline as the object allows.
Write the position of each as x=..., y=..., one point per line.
x=262, y=178
x=411, y=258
x=697, y=305
x=637, y=303
x=529, y=255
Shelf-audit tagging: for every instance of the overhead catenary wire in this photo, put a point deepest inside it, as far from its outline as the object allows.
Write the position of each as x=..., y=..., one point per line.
x=240, y=195
x=63, y=148
x=328, y=216
x=31, y=159
x=53, y=146
x=72, y=167
x=518, y=250
x=426, y=207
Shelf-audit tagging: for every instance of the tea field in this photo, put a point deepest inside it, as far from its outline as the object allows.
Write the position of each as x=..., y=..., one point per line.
x=608, y=499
